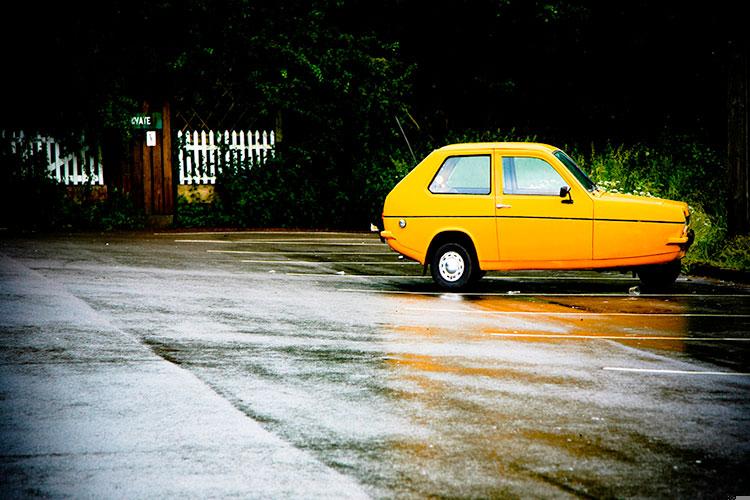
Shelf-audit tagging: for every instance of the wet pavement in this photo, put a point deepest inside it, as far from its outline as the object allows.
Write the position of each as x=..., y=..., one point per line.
x=289, y=364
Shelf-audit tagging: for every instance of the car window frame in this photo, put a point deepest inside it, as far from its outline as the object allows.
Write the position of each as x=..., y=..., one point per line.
x=488, y=155
x=501, y=175
x=576, y=171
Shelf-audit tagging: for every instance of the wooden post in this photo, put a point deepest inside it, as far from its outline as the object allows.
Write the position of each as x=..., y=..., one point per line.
x=142, y=171
x=153, y=180
x=148, y=167
x=158, y=177
x=738, y=140
x=136, y=171
x=169, y=184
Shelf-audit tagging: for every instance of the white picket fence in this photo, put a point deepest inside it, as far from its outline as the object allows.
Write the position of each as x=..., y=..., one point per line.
x=70, y=169
x=203, y=154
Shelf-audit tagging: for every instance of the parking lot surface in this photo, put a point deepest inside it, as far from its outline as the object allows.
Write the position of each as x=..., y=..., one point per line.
x=319, y=364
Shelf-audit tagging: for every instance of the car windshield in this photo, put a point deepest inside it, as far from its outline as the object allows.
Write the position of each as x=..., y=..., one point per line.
x=579, y=174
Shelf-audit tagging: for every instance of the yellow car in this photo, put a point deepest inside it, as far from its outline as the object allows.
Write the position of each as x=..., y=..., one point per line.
x=471, y=208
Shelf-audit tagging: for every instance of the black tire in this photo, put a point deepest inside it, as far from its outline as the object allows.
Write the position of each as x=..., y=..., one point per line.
x=659, y=277
x=452, y=266
x=477, y=275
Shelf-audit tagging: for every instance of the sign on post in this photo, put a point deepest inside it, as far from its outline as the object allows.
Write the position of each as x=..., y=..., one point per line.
x=151, y=138
x=146, y=121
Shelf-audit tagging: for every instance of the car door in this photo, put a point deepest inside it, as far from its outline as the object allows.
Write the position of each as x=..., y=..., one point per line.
x=536, y=227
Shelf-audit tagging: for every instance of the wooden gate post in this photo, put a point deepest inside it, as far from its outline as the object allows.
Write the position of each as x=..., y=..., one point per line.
x=152, y=165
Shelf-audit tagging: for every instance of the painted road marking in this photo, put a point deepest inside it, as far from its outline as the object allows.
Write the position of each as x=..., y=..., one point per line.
x=275, y=252
x=334, y=275
x=315, y=240
x=540, y=294
x=322, y=262
x=226, y=242
x=228, y=233
x=674, y=372
x=487, y=278
x=285, y=242
x=565, y=314
x=619, y=337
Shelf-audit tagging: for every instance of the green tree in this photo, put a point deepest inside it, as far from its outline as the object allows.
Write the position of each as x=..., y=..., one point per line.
x=332, y=86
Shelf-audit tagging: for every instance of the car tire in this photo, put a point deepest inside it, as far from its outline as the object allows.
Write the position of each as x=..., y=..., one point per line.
x=477, y=275
x=452, y=266
x=659, y=277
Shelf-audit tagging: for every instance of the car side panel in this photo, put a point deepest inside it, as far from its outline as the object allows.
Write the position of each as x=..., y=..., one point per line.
x=537, y=228
x=428, y=214
x=617, y=240
x=636, y=227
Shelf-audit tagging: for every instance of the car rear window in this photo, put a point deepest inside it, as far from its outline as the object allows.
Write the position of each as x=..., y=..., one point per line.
x=463, y=175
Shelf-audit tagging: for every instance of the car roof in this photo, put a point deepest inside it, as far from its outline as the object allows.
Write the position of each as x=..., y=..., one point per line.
x=530, y=146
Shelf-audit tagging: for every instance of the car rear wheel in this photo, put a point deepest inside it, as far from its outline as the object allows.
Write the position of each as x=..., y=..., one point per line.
x=659, y=277
x=452, y=266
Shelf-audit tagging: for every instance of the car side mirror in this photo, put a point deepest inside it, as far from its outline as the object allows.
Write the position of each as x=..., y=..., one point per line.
x=565, y=191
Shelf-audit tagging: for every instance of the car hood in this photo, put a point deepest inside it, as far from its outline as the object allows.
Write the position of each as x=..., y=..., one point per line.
x=632, y=207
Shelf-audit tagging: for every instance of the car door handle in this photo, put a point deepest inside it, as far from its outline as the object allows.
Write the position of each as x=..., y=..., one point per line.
x=500, y=205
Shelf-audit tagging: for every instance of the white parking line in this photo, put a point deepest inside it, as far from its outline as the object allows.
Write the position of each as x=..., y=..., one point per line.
x=307, y=262
x=315, y=240
x=487, y=278
x=619, y=337
x=285, y=242
x=333, y=275
x=560, y=278
x=566, y=314
x=291, y=252
x=225, y=242
x=542, y=294
x=198, y=233
x=674, y=372
x=351, y=241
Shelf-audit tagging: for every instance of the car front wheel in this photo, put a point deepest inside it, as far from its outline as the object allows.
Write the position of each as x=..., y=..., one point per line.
x=452, y=266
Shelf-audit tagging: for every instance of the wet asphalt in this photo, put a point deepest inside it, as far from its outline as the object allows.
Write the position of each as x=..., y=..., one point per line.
x=319, y=365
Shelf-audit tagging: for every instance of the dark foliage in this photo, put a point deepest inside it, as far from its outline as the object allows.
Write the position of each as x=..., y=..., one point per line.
x=34, y=201
x=333, y=76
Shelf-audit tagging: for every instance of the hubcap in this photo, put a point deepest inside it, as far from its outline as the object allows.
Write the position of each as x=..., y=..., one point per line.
x=451, y=266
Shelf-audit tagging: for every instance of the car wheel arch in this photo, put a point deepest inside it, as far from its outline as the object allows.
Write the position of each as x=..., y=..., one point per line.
x=452, y=236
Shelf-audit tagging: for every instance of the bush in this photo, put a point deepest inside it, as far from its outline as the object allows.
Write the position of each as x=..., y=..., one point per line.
x=288, y=191
x=679, y=169
x=276, y=194
x=735, y=254
x=116, y=211
x=36, y=201
x=191, y=211
x=31, y=199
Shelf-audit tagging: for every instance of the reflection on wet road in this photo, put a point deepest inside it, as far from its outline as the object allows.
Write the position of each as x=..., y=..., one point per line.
x=532, y=384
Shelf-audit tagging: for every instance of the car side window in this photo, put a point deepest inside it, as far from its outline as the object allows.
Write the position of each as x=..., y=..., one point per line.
x=463, y=175
x=523, y=175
